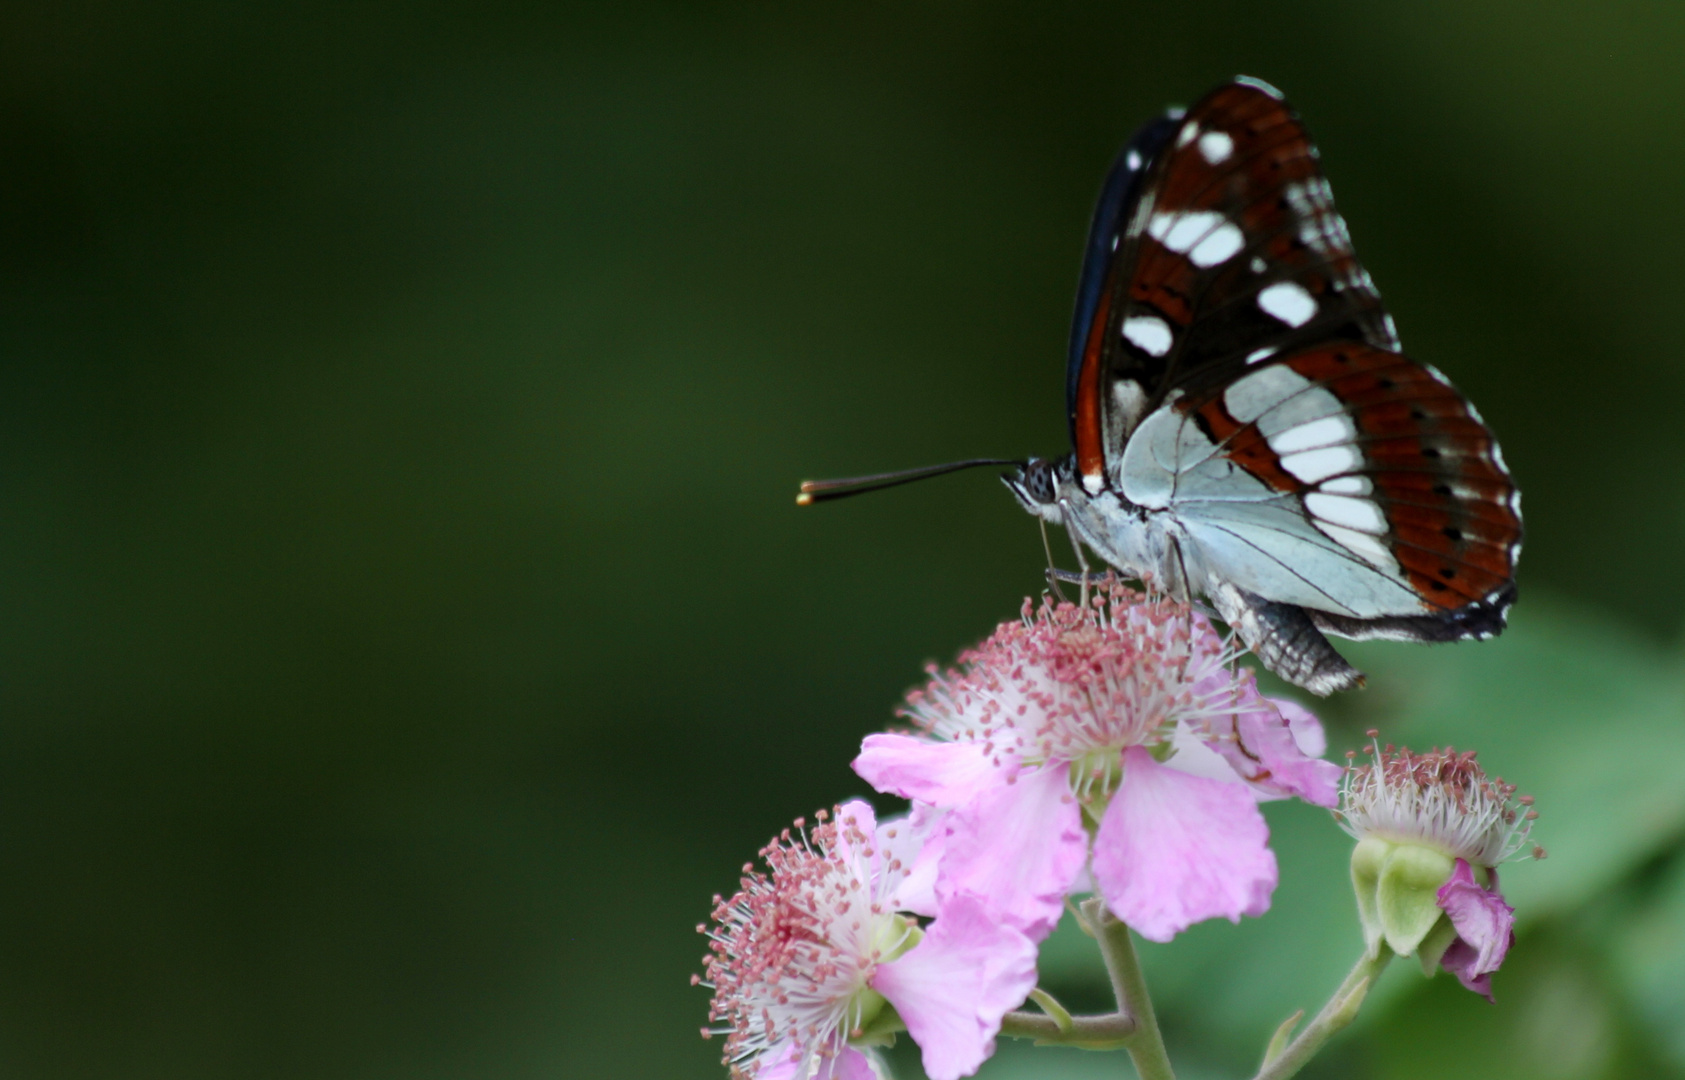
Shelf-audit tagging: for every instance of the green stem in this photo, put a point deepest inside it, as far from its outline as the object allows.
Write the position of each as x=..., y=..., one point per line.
x=1146, y=1046
x=1089, y=1032
x=1341, y=1010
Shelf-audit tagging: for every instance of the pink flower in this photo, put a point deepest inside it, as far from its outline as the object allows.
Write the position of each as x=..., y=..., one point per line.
x=1126, y=719
x=1432, y=829
x=812, y=959
x=1485, y=927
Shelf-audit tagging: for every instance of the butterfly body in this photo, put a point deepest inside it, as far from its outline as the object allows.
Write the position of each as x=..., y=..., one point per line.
x=1245, y=428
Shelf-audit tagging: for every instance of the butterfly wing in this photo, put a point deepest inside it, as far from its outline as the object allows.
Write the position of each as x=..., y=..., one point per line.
x=1236, y=367
x=1224, y=246
x=1345, y=479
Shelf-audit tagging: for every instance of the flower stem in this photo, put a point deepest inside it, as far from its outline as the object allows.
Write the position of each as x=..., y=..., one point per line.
x=1107, y=1032
x=1341, y=1009
x=1146, y=1046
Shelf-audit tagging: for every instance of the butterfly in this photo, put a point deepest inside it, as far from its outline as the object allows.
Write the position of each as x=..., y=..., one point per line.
x=1244, y=427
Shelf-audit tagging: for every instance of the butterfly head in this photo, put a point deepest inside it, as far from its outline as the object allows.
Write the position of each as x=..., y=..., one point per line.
x=1035, y=484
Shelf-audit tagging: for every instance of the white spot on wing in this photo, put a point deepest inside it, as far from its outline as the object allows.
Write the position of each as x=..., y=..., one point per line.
x=1189, y=132
x=1149, y=333
x=1352, y=513
x=1328, y=431
x=1312, y=466
x=1216, y=146
x=1204, y=236
x=1361, y=544
x=1289, y=302
x=1259, y=265
x=1348, y=485
x=1498, y=457
x=1260, y=354
x=1128, y=400
x=1133, y=161
x=1250, y=396
x=1220, y=246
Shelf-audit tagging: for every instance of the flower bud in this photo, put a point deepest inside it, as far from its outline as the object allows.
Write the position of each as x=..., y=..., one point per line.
x=1431, y=829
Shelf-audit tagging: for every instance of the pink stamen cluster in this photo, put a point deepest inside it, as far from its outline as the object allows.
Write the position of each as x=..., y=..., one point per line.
x=1441, y=798
x=791, y=952
x=1066, y=681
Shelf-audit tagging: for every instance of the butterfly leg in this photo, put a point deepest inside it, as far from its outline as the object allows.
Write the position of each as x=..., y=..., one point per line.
x=1286, y=640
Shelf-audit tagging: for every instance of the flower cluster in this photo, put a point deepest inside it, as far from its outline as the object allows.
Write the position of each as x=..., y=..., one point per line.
x=1112, y=747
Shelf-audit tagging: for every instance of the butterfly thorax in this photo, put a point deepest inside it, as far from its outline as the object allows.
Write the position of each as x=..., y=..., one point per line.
x=1130, y=537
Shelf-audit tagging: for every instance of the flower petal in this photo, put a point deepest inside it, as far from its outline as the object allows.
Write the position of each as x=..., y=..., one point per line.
x=866, y=858
x=940, y=773
x=913, y=845
x=1460, y=960
x=1261, y=743
x=1306, y=728
x=1485, y=929
x=784, y=1062
x=953, y=987
x=1175, y=849
x=1019, y=848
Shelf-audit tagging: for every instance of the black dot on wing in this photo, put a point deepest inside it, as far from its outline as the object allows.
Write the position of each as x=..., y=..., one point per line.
x=1447, y=573
x=1385, y=384
x=1436, y=586
x=1442, y=489
x=1452, y=533
x=1417, y=414
x=1429, y=452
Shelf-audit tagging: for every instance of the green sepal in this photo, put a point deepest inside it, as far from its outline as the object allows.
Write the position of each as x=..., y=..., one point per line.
x=879, y=1022
x=1407, y=894
x=1432, y=949
x=1367, y=859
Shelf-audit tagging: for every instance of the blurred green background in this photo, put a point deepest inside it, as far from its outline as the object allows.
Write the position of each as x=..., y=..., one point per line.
x=405, y=625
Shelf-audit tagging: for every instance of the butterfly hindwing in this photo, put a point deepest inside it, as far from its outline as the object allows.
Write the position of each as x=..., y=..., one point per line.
x=1389, y=465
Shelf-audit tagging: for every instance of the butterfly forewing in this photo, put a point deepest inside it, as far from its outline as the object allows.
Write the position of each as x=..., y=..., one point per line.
x=1232, y=253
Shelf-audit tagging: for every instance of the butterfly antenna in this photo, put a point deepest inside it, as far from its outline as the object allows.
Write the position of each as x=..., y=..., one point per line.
x=825, y=490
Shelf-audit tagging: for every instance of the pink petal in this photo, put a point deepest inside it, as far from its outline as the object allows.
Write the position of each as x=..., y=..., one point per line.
x=913, y=845
x=1306, y=728
x=1460, y=960
x=851, y=1064
x=1019, y=848
x=1175, y=849
x=1485, y=928
x=953, y=987
x=852, y=815
x=1261, y=743
x=940, y=773
x=784, y=1062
